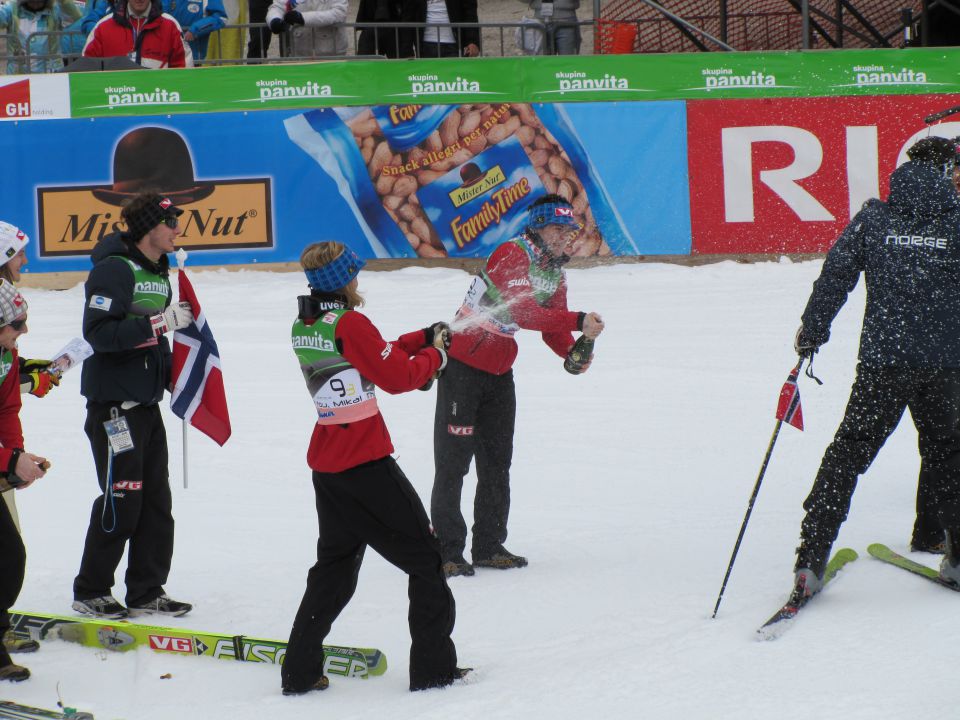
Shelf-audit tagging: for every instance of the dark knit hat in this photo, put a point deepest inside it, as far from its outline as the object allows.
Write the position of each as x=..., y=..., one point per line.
x=155, y=210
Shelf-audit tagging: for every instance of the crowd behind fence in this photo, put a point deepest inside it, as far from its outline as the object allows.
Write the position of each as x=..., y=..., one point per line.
x=502, y=39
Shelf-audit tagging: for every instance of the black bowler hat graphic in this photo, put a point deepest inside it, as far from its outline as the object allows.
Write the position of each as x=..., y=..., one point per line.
x=153, y=159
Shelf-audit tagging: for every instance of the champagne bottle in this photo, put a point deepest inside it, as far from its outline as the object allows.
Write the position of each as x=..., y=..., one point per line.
x=579, y=355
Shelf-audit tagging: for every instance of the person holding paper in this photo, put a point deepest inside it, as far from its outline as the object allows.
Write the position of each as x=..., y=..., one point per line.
x=126, y=316
x=18, y=468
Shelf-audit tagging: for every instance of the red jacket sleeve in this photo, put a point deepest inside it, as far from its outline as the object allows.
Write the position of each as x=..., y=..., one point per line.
x=387, y=365
x=508, y=269
x=11, y=433
x=178, y=57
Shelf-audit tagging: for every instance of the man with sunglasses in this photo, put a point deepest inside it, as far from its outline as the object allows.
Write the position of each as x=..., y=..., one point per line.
x=126, y=316
x=523, y=286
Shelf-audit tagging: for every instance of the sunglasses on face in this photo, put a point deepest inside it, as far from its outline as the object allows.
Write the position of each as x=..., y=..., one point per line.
x=172, y=222
x=18, y=324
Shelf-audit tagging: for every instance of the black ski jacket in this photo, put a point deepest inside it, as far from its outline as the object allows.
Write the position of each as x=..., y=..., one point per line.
x=908, y=249
x=128, y=362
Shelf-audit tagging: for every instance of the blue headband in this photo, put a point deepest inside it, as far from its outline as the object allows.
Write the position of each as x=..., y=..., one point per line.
x=336, y=274
x=551, y=214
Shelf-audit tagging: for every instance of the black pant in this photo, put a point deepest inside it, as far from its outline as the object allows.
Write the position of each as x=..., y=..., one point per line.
x=13, y=562
x=926, y=528
x=373, y=504
x=259, y=42
x=438, y=49
x=141, y=512
x=876, y=404
x=475, y=417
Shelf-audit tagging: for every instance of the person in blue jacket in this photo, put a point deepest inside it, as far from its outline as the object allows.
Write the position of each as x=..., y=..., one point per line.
x=197, y=18
x=908, y=250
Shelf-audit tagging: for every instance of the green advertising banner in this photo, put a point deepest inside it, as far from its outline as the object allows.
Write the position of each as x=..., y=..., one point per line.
x=523, y=79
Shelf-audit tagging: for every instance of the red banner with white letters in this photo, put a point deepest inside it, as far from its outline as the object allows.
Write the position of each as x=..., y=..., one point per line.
x=786, y=175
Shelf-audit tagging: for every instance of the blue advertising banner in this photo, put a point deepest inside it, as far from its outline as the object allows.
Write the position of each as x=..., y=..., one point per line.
x=392, y=181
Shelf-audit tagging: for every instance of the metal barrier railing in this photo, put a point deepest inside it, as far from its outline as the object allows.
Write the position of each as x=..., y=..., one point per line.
x=367, y=40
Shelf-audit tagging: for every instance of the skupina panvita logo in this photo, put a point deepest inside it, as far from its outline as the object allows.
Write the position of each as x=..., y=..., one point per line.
x=574, y=82
x=879, y=75
x=283, y=90
x=426, y=85
x=133, y=96
x=728, y=79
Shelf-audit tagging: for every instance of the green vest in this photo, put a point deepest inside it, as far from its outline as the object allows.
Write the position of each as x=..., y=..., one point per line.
x=340, y=393
x=6, y=363
x=151, y=291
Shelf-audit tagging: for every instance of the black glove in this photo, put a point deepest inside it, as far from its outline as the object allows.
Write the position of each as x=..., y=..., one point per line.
x=277, y=26
x=804, y=345
x=439, y=335
x=293, y=17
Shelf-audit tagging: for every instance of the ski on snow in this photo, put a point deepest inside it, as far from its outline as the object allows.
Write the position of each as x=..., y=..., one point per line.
x=122, y=635
x=16, y=711
x=885, y=554
x=783, y=618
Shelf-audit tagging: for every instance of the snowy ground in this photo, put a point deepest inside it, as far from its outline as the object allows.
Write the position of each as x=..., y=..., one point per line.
x=629, y=486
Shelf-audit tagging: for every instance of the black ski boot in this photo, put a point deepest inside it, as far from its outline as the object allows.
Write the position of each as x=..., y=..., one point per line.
x=950, y=565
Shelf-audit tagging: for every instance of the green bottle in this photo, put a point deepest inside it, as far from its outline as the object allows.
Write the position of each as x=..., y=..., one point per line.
x=579, y=355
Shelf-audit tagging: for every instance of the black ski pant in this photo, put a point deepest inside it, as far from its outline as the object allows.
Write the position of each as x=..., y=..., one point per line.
x=877, y=401
x=926, y=528
x=13, y=562
x=475, y=418
x=140, y=512
x=373, y=504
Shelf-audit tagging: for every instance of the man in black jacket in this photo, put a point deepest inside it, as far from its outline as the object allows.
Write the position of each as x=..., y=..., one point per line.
x=908, y=249
x=392, y=42
x=440, y=39
x=127, y=312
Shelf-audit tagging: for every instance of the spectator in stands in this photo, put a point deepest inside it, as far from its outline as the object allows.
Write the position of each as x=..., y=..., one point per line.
x=315, y=26
x=388, y=41
x=259, y=36
x=96, y=10
x=140, y=30
x=197, y=19
x=20, y=19
x=441, y=40
x=562, y=24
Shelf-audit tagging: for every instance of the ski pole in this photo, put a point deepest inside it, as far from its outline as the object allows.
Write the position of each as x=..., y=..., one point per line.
x=789, y=388
x=929, y=119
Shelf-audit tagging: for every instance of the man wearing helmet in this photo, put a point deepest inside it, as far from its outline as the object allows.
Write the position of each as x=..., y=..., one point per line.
x=523, y=286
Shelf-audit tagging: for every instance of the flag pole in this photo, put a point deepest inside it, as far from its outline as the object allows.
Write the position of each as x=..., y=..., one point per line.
x=181, y=260
x=794, y=374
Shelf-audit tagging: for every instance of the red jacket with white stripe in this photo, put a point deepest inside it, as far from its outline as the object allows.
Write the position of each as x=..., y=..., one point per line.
x=397, y=367
x=154, y=41
x=509, y=270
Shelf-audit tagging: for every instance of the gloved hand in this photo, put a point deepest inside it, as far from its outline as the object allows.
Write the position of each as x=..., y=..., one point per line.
x=443, y=364
x=439, y=335
x=36, y=379
x=804, y=345
x=293, y=17
x=277, y=26
x=176, y=317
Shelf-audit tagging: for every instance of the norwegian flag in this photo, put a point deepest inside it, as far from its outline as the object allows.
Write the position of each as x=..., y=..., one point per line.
x=198, y=395
x=563, y=212
x=788, y=408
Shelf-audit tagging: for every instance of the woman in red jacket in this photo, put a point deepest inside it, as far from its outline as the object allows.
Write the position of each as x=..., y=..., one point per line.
x=18, y=469
x=363, y=497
